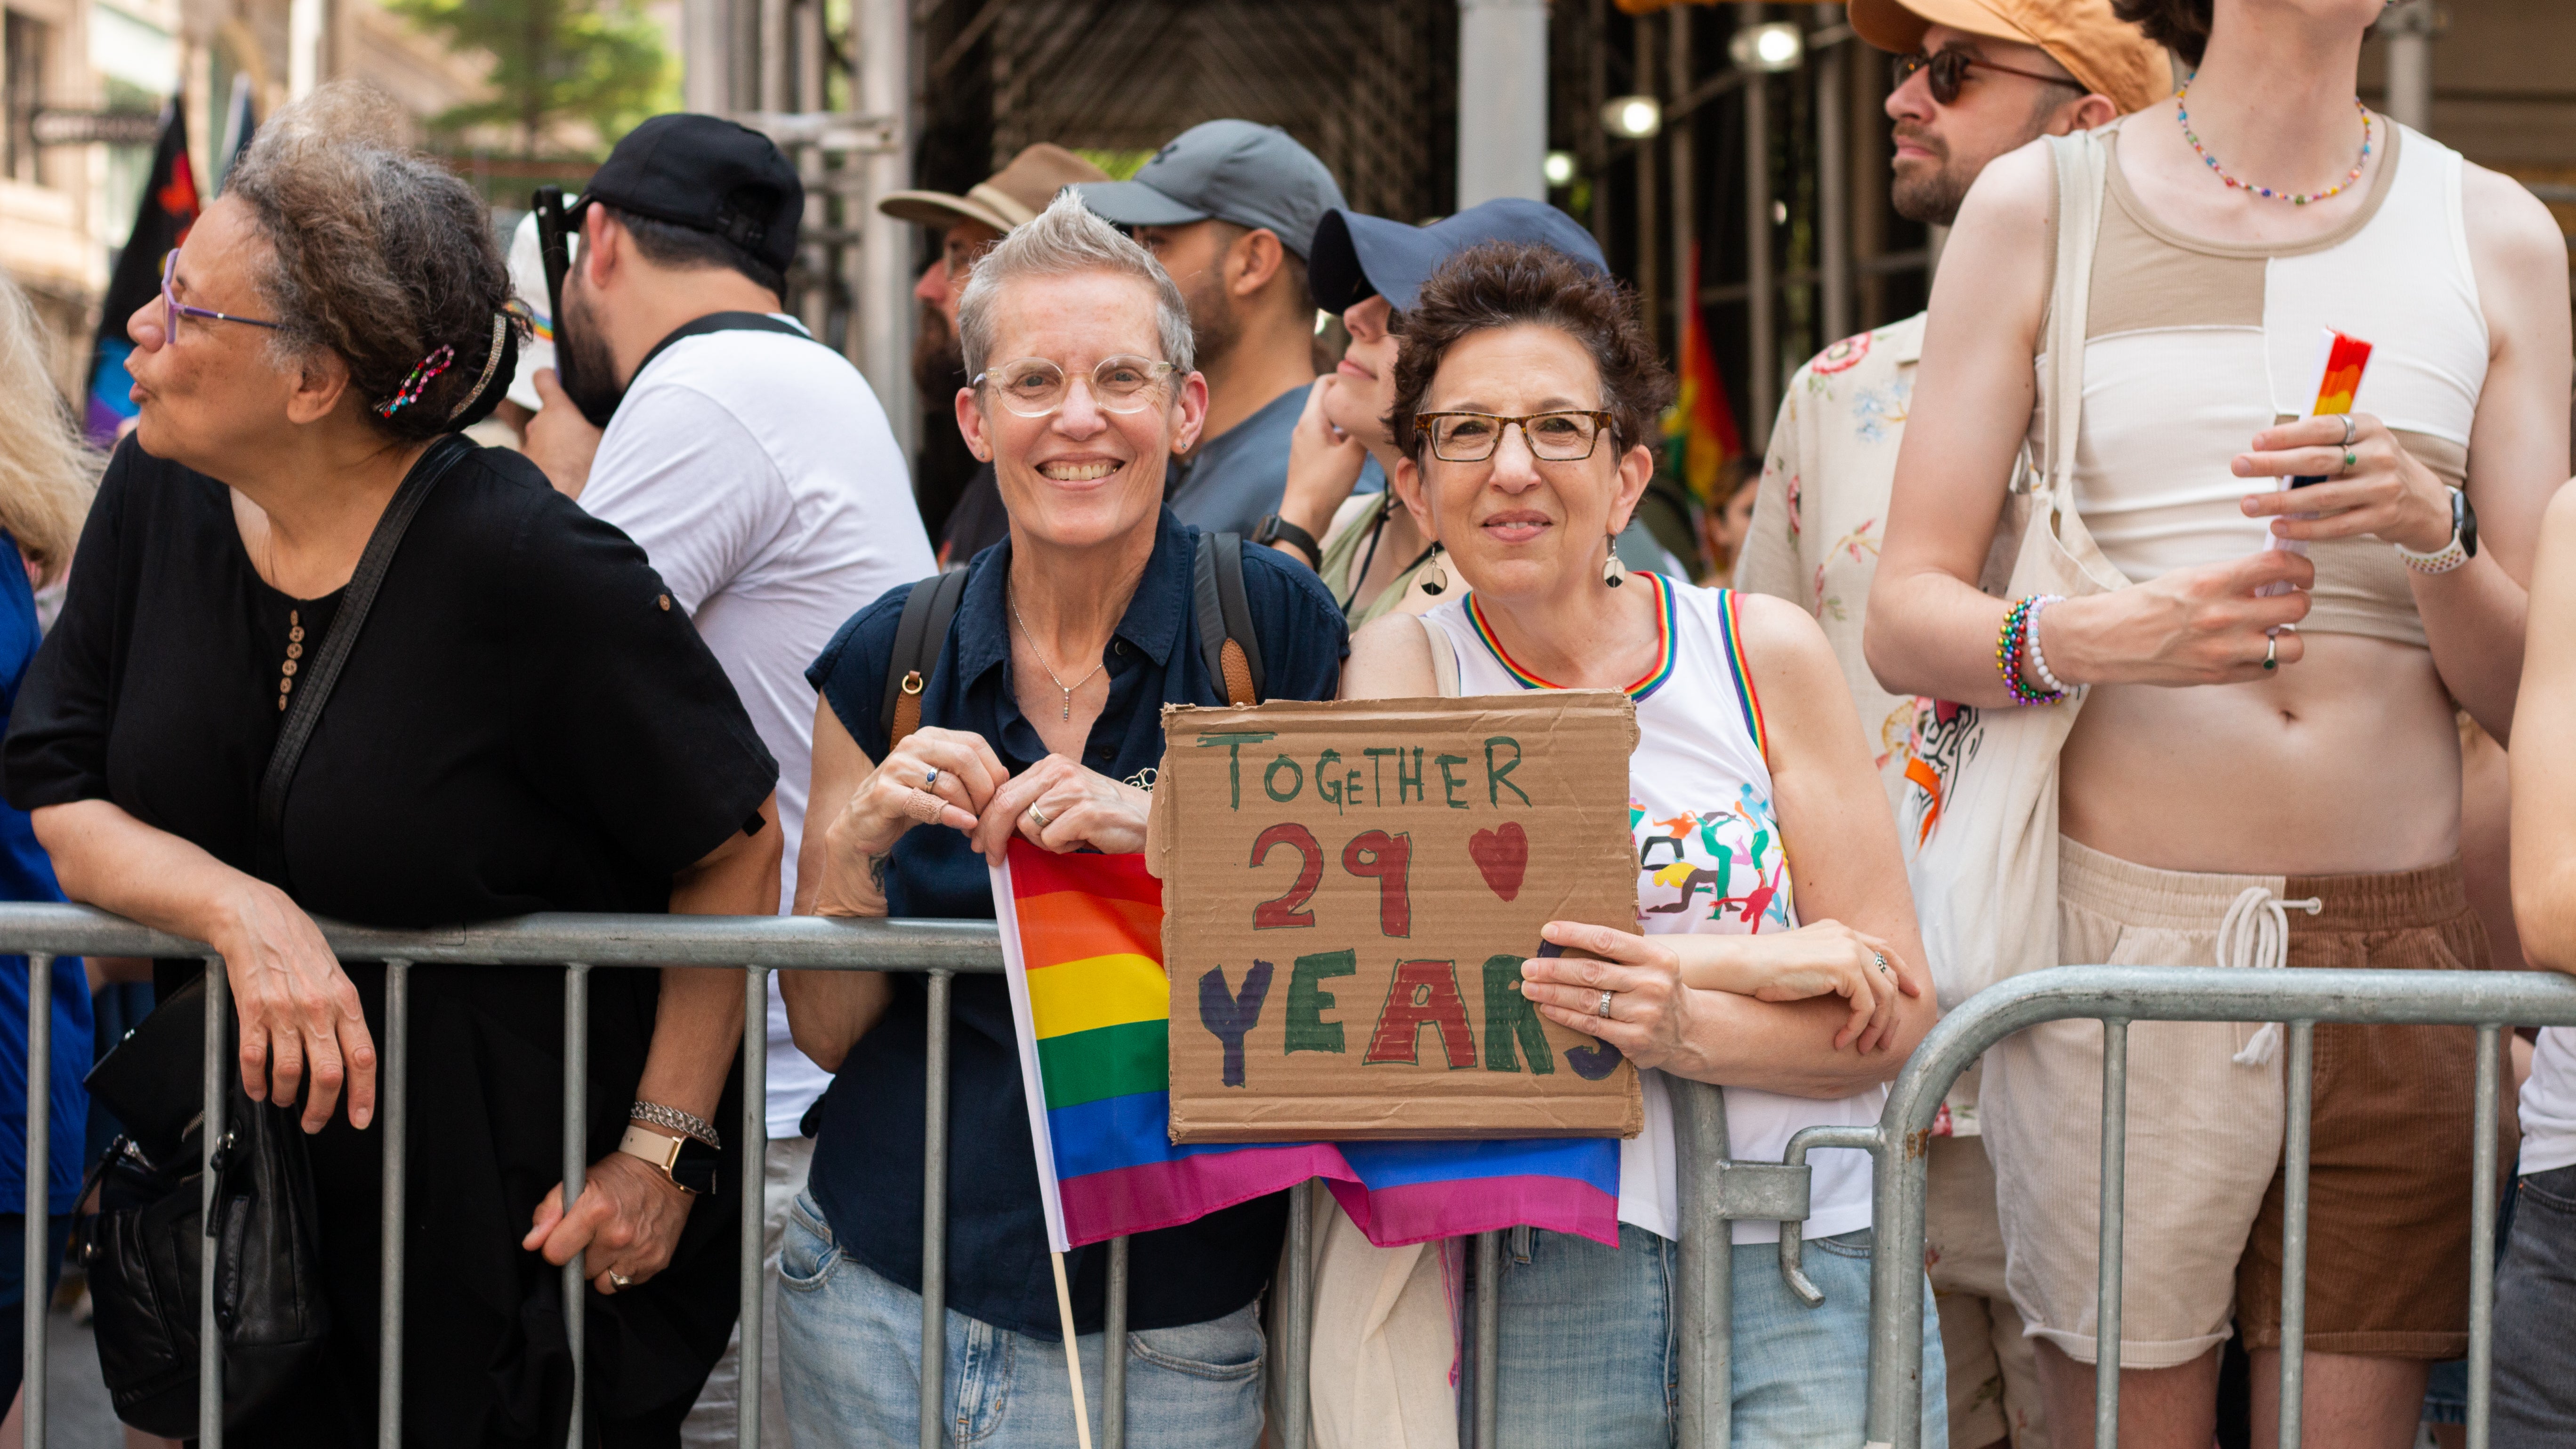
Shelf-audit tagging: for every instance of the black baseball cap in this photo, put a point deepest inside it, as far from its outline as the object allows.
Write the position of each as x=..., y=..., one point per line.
x=1359, y=256
x=708, y=174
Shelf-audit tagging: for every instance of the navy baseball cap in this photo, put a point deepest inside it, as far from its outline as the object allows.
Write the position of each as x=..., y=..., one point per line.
x=1236, y=171
x=1358, y=256
x=708, y=174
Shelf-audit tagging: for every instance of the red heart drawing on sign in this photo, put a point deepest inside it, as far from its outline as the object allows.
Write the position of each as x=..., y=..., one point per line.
x=1503, y=856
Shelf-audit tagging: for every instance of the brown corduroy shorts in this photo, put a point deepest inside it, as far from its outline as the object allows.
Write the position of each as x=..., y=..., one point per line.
x=2388, y=1205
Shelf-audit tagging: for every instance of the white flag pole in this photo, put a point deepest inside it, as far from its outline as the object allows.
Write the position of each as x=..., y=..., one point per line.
x=1072, y=1355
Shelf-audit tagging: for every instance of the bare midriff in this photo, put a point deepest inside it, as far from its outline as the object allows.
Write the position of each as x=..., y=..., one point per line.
x=2348, y=762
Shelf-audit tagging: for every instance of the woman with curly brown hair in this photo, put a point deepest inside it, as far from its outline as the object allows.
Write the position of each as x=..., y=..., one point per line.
x=520, y=722
x=2264, y=771
x=1775, y=951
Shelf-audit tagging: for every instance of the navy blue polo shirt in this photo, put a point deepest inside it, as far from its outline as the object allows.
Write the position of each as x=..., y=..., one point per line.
x=868, y=1152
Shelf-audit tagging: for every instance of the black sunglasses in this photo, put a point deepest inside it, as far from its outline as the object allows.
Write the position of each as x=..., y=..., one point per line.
x=1950, y=67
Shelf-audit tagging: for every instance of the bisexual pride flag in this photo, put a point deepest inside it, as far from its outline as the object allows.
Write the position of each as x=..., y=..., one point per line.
x=1083, y=939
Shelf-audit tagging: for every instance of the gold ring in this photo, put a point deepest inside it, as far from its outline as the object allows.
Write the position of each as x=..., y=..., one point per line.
x=1040, y=816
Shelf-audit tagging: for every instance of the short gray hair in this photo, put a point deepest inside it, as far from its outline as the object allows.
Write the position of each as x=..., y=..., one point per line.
x=1068, y=240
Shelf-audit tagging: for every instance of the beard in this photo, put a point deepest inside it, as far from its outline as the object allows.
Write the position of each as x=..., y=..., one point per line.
x=1214, y=326
x=1929, y=192
x=938, y=359
x=584, y=367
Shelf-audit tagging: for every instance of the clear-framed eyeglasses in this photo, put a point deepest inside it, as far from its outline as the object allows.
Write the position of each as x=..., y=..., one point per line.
x=1562, y=437
x=1034, y=387
x=172, y=309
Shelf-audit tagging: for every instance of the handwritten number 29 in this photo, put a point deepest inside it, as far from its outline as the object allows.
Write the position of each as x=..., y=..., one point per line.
x=1370, y=854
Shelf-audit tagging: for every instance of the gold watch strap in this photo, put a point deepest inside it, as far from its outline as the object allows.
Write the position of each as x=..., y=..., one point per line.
x=654, y=1148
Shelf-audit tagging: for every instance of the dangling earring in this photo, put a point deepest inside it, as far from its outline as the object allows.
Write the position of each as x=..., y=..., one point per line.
x=1614, y=570
x=1435, y=574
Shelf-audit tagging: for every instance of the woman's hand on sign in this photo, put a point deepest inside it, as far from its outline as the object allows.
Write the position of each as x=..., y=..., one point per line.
x=1821, y=958
x=2382, y=491
x=1059, y=805
x=1650, y=1014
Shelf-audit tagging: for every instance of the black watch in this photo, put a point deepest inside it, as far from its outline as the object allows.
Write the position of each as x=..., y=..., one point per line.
x=2464, y=521
x=688, y=1162
x=1276, y=529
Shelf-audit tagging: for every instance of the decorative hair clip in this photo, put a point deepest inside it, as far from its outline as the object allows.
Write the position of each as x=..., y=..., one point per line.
x=491, y=360
x=417, y=383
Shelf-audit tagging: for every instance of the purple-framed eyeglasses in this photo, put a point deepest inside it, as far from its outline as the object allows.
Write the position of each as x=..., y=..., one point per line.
x=174, y=309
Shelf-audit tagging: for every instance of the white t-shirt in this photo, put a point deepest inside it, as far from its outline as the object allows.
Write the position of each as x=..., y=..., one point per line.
x=761, y=478
x=1710, y=861
x=2549, y=1103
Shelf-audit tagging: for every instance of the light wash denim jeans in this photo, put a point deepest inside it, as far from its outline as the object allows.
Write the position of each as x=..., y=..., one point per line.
x=1591, y=1354
x=850, y=1363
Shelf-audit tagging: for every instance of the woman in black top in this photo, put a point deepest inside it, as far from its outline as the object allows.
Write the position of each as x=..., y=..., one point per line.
x=526, y=723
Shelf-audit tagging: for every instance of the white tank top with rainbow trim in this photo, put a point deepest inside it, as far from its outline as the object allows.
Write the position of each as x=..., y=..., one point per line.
x=1709, y=860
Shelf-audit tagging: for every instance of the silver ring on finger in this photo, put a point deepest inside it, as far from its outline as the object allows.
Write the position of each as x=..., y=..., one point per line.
x=1603, y=1010
x=1040, y=816
x=1880, y=958
x=2272, y=651
x=2346, y=419
x=619, y=1279
x=930, y=781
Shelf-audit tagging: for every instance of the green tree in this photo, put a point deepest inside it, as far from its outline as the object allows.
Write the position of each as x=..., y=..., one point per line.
x=554, y=61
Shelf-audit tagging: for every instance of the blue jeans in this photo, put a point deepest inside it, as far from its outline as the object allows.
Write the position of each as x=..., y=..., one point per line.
x=2535, y=1357
x=849, y=1344
x=1591, y=1359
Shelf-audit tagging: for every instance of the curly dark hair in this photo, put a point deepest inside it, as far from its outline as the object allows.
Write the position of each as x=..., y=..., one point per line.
x=2181, y=26
x=1505, y=284
x=381, y=256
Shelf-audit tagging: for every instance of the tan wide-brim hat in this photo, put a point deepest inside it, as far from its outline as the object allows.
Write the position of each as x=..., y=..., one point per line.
x=2106, y=53
x=1009, y=198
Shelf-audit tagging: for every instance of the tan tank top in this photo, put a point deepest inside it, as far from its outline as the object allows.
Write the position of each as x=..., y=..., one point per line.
x=2193, y=346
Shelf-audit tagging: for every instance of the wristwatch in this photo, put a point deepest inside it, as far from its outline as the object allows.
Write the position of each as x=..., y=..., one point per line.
x=2462, y=547
x=689, y=1163
x=1276, y=529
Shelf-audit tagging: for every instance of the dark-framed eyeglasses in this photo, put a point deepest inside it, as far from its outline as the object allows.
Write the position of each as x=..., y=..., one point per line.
x=173, y=309
x=1034, y=386
x=1558, y=437
x=1950, y=67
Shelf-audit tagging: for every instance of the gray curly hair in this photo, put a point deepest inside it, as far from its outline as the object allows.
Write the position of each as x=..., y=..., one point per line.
x=1067, y=240
x=376, y=253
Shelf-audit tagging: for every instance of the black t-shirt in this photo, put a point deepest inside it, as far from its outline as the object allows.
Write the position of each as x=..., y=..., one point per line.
x=527, y=722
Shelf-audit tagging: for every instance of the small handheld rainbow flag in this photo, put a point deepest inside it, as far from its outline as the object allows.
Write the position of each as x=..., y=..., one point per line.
x=1082, y=936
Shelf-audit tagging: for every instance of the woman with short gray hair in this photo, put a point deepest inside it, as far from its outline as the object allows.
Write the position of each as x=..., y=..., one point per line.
x=1040, y=718
x=518, y=721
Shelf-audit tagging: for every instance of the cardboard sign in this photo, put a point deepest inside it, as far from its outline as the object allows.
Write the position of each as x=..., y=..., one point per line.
x=1349, y=890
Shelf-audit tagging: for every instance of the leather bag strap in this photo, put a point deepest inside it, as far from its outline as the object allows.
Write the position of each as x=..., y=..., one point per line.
x=313, y=688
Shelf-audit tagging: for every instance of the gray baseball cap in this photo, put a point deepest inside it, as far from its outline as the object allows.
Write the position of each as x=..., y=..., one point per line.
x=1238, y=171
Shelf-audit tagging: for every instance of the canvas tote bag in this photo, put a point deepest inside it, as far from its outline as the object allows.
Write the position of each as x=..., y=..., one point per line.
x=1984, y=799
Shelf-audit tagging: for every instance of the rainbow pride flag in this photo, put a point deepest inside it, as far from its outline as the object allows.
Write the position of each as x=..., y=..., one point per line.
x=1082, y=936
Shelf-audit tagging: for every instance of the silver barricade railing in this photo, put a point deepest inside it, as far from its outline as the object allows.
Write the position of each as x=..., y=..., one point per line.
x=1714, y=1192
x=2489, y=1001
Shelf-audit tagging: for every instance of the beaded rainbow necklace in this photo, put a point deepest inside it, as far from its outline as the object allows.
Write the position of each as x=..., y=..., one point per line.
x=2182, y=109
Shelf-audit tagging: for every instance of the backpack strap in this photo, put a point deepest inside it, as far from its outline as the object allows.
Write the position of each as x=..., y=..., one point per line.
x=722, y=322
x=1226, y=641
x=918, y=637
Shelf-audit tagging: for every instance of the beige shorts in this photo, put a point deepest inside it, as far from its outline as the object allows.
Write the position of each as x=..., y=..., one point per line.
x=2389, y=1185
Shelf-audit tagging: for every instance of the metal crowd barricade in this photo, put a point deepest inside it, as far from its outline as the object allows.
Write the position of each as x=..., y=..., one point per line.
x=1714, y=1191
x=2489, y=1001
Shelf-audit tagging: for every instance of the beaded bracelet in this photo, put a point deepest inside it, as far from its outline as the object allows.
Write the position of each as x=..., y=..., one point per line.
x=2008, y=648
x=2039, y=659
